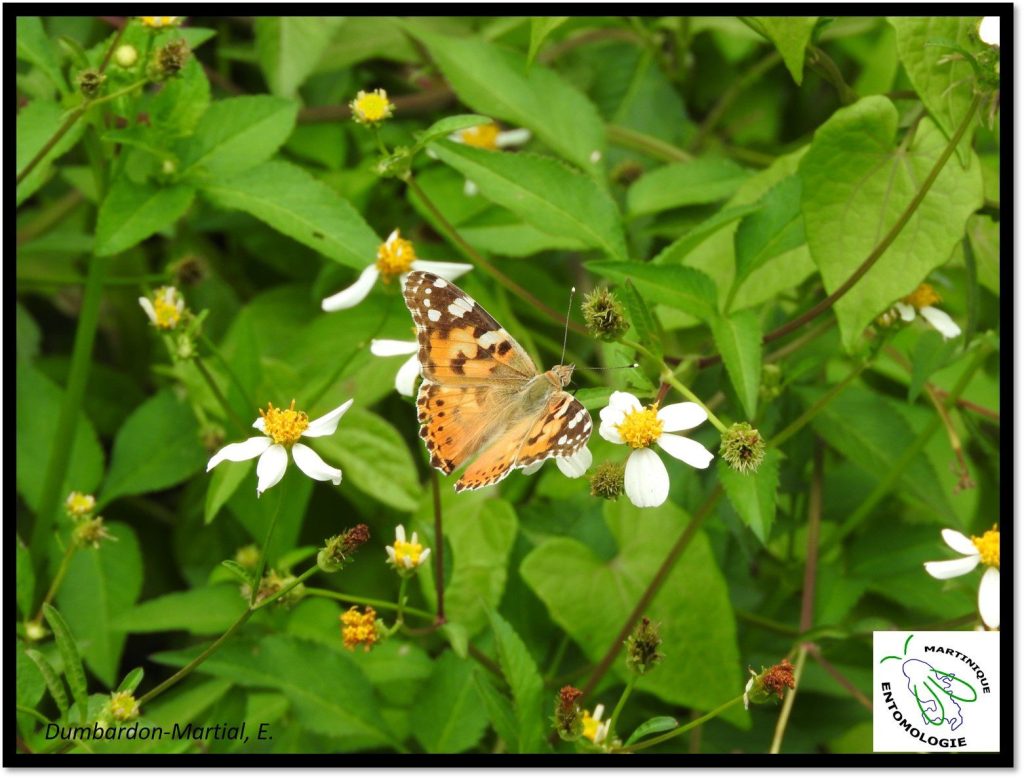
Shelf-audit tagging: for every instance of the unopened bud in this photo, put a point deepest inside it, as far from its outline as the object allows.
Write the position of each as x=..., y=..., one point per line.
x=608, y=480
x=568, y=718
x=742, y=448
x=340, y=549
x=604, y=316
x=642, y=647
x=126, y=55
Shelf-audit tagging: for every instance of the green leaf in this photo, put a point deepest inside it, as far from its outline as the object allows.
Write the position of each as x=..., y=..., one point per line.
x=790, y=34
x=30, y=686
x=177, y=108
x=131, y=681
x=25, y=579
x=237, y=133
x=157, y=447
x=523, y=680
x=36, y=124
x=652, y=727
x=223, y=483
x=540, y=28
x=544, y=192
x=373, y=456
x=682, y=288
x=677, y=250
x=207, y=610
x=738, y=339
x=641, y=317
x=132, y=212
x=52, y=679
x=289, y=48
x=495, y=82
x=752, y=495
x=932, y=352
x=442, y=128
x=39, y=402
x=27, y=334
x=100, y=585
x=776, y=227
x=983, y=233
x=294, y=203
x=704, y=180
x=856, y=183
x=33, y=46
x=943, y=79
x=693, y=606
x=497, y=705
x=449, y=708
x=186, y=702
x=69, y=656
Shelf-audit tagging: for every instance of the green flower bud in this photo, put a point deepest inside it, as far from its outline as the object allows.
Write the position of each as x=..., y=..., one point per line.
x=90, y=82
x=742, y=448
x=608, y=480
x=604, y=316
x=339, y=549
x=91, y=532
x=568, y=718
x=126, y=56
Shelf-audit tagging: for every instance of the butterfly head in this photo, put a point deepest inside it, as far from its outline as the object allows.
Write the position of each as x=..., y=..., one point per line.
x=562, y=374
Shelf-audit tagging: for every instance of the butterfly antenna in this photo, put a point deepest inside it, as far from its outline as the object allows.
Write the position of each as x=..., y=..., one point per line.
x=565, y=337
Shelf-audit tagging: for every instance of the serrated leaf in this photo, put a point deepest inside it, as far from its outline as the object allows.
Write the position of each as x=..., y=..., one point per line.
x=682, y=288
x=294, y=203
x=524, y=681
x=131, y=681
x=856, y=183
x=132, y=212
x=450, y=706
x=752, y=495
x=52, y=679
x=206, y=610
x=700, y=181
x=289, y=48
x=790, y=34
x=442, y=128
x=652, y=727
x=677, y=250
x=36, y=124
x=777, y=226
x=540, y=28
x=157, y=447
x=69, y=655
x=498, y=707
x=641, y=317
x=544, y=192
x=34, y=46
x=738, y=339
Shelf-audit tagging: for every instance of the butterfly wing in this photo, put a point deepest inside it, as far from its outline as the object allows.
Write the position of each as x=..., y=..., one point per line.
x=456, y=419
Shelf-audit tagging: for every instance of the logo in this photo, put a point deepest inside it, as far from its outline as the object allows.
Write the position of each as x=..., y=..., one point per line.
x=936, y=691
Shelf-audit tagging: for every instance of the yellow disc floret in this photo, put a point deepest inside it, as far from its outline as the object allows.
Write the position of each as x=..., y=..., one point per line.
x=407, y=551
x=284, y=426
x=79, y=505
x=922, y=297
x=157, y=22
x=988, y=547
x=483, y=136
x=371, y=107
x=641, y=428
x=123, y=706
x=360, y=629
x=395, y=256
x=590, y=725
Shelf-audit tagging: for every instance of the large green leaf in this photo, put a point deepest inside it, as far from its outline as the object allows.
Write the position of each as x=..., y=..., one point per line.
x=289, y=48
x=101, y=584
x=449, y=707
x=132, y=212
x=34, y=47
x=790, y=34
x=677, y=250
x=36, y=124
x=682, y=288
x=540, y=28
x=776, y=227
x=738, y=338
x=544, y=192
x=293, y=202
x=495, y=82
x=704, y=180
x=524, y=682
x=590, y=596
x=856, y=183
x=157, y=447
x=70, y=657
x=753, y=494
x=207, y=610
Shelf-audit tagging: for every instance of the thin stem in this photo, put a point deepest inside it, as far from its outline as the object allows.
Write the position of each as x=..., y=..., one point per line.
x=645, y=144
x=478, y=259
x=787, y=704
x=261, y=564
x=381, y=605
x=826, y=67
x=798, y=424
x=284, y=590
x=58, y=578
x=435, y=486
x=211, y=382
x=730, y=95
x=841, y=679
x=813, y=534
x=621, y=703
x=768, y=624
x=400, y=610
x=683, y=729
x=653, y=587
x=232, y=375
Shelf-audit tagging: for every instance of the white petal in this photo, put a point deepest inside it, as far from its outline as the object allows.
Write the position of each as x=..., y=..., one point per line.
x=424, y=555
x=681, y=416
x=449, y=271
x=328, y=423
x=147, y=306
x=988, y=598
x=355, y=294
x=405, y=378
x=513, y=138
x=270, y=469
x=576, y=465
x=610, y=432
x=689, y=451
x=612, y=415
x=907, y=312
x=470, y=189
x=391, y=553
x=531, y=469
x=392, y=238
x=240, y=452
x=598, y=712
x=259, y=424
x=646, y=479
x=625, y=402
x=959, y=542
x=940, y=320
x=988, y=30
x=381, y=347
x=951, y=568
x=400, y=533
x=310, y=463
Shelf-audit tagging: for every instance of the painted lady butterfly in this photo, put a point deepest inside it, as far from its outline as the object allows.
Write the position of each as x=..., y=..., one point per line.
x=481, y=393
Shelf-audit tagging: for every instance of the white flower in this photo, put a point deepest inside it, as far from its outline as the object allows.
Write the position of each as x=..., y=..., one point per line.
x=988, y=30
x=624, y=420
x=395, y=257
x=282, y=428
x=984, y=549
x=406, y=556
x=164, y=308
x=746, y=692
x=490, y=137
x=405, y=378
x=920, y=300
x=594, y=729
x=572, y=466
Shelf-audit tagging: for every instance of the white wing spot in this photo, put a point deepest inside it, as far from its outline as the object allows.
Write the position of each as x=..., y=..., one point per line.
x=459, y=307
x=492, y=338
x=426, y=302
x=561, y=440
x=440, y=283
x=434, y=315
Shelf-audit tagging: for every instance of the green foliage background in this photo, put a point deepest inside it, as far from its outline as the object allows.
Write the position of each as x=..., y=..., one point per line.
x=724, y=175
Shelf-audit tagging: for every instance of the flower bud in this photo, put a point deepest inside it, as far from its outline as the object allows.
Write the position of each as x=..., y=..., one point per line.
x=742, y=448
x=604, y=316
x=170, y=59
x=568, y=718
x=79, y=505
x=34, y=631
x=123, y=706
x=89, y=82
x=248, y=556
x=360, y=629
x=771, y=682
x=608, y=480
x=126, y=56
x=91, y=532
x=642, y=647
x=271, y=584
x=339, y=549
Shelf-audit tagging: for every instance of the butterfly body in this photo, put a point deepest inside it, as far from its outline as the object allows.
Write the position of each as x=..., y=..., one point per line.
x=481, y=394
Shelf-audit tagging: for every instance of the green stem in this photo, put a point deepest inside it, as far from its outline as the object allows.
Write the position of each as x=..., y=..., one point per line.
x=769, y=624
x=621, y=703
x=826, y=67
x=211, y=382
x=381, y=605
x=680, y=730
x=738, y=87
x=262, y=563
x=787, y=704
x=801, y=421
x=646, y=144
x=284, y=590
x=232, y=375
x=58, y=578
x=400, y=610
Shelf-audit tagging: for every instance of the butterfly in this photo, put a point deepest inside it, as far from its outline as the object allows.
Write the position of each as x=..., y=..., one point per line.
x=481, y=393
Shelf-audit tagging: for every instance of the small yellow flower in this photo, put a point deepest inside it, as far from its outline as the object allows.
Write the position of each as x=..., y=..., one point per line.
x=922, y=297
x=371, y=107
x=406, y=556
x=248, y=556
x=79, y=505
x=483, y=136
x=594, y=729
x=640, y=428
x=159, y=22
x=360, y=629
x=123, y=706
x=922, y=300
x=165, y=308
x=395, y=256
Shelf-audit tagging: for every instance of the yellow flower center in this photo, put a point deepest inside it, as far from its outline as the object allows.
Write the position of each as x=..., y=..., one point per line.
x=395, y=257
x=641, y=428
x=360, y=629
x=79, y=505
x=988, y=547
x=284, y=426
x=166, y=308
x=590, y=726
x=922, y=297
x=371, y=106
x=123, y=706
x=404, y=549
x=158, y=21
x=483, y=136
